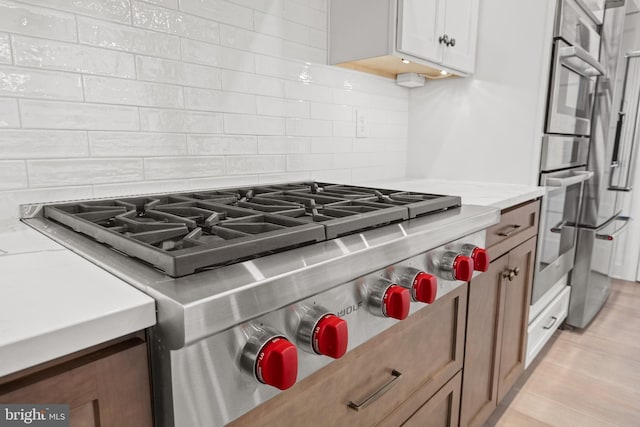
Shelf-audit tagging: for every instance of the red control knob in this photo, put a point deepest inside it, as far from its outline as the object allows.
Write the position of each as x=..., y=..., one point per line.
x=277, y=363
x=331, y=336
x=424, y=287
x=462, y=268
x=480, y=259
x=396, y=301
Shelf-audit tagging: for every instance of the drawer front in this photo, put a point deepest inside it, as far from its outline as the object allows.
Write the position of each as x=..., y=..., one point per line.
x=426, y=349
x=543, y=327
x=516, y=225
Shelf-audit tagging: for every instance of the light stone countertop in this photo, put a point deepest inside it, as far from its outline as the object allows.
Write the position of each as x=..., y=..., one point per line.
x=53, y=302
x=472, y=193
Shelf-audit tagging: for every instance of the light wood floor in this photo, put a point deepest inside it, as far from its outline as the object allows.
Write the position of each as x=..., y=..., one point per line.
x=586, y=378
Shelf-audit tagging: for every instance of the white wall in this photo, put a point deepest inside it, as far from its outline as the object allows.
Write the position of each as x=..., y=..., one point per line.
x=113, y=97
x=488, y=127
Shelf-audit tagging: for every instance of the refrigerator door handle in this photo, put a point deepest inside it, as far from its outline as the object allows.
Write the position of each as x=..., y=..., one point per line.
x=615, y=158
x=578, y=177
x=618, y=232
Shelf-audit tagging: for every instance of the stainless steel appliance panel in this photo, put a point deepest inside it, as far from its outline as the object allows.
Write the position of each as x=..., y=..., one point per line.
x=557, y=232
x=600, y=204
x=573, y=83
x=575, y=24
x=560, y=152
x=590, y=280
x=595, y=9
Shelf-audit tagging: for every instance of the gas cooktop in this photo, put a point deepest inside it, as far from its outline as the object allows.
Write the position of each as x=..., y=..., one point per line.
x=182, y=233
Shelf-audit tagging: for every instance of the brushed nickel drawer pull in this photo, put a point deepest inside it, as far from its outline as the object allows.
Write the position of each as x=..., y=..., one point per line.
x=514, y=227
x=377, y=394
x=554, y=319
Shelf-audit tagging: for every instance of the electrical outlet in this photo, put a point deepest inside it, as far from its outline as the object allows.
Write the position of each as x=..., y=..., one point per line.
x=362, y=127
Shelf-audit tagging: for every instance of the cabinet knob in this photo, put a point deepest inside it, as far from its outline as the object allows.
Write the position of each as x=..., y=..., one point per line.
x=511, y=273
x=452, y=42
x=516, y=271
x=444, y=39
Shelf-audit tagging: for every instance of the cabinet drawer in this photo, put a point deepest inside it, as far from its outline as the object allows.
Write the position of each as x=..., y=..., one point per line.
x=426, y=348
x=516, y=225
x=440, y=410
x=543, y=327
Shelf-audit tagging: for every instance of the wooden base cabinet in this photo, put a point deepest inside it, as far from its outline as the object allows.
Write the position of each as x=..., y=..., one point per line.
x=108, y=387
x=496, y=339
x=426, y=348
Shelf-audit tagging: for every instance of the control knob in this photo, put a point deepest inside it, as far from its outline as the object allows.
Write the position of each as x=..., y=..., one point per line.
x=455, y=266
x=270, y=358
x=322, y=332
x=479, y=256
x=386, y=299
x=422, y=286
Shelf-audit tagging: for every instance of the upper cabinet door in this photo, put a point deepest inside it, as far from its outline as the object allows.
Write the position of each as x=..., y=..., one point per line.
x=461, y=26
x=420, y=25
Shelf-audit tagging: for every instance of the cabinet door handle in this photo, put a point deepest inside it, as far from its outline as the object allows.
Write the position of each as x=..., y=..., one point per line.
x=376, y=394
x=508, y=233
x=444, y=39
x=554, y=319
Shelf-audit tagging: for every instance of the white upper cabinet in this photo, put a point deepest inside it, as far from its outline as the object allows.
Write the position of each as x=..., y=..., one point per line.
x=390, y=37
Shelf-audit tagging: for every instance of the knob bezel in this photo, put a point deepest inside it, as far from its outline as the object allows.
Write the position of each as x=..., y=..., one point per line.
x=406, y=278
x=447, y=265
x=308, y=324
x=258, y=340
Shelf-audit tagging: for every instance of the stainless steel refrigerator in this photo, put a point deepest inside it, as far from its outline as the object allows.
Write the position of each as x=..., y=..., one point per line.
x=600, y=221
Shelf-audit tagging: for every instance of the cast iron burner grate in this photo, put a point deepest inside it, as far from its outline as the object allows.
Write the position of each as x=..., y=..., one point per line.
x=184, y=232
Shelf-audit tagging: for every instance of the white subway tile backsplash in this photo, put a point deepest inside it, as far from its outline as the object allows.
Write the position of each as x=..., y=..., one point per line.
x=276, y=67
x=188, y=94
x=112, y=10
x=221, y=145
x=309, y=162
x=71, y=57
x=52, y=173
x=221, y=11
x=121, y=91
x=304, y=53
x=256, y=125
x=156, y=120
x=283, y=144
x=276, y=26
x=176, y=72
x=276, y=178
x=331, y=145
x=300, y=13
x=172, y=4
x=33, y=144
x=273, y=7
x=283, y=107
x=252, y=83
x=13, y=175
x=174, y=22
x=297, y=90
x=183, y=167
x=217, y=56
x=140, y=187
x=9, y=117
x=344, y=129
x=332, y=112
x=302, y=127
x=36, y=21
x=64, y=115
x=255, y=164
x=126, y=38
x=11, y=200
x=25, y=82
x=239, y=38
x=218, y=100
x=5, y=49
x=133, y=144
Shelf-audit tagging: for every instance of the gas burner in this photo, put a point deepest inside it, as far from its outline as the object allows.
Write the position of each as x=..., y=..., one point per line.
x=182, y=233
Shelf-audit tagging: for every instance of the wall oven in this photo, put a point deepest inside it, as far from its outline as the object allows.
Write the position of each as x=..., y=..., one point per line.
x=575, y=69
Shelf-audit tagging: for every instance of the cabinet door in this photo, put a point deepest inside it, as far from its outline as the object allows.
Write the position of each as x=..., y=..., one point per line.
x=484, y=333
x=442, y=409
x=461, y=24
x=420, y=25
x=516, y=313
